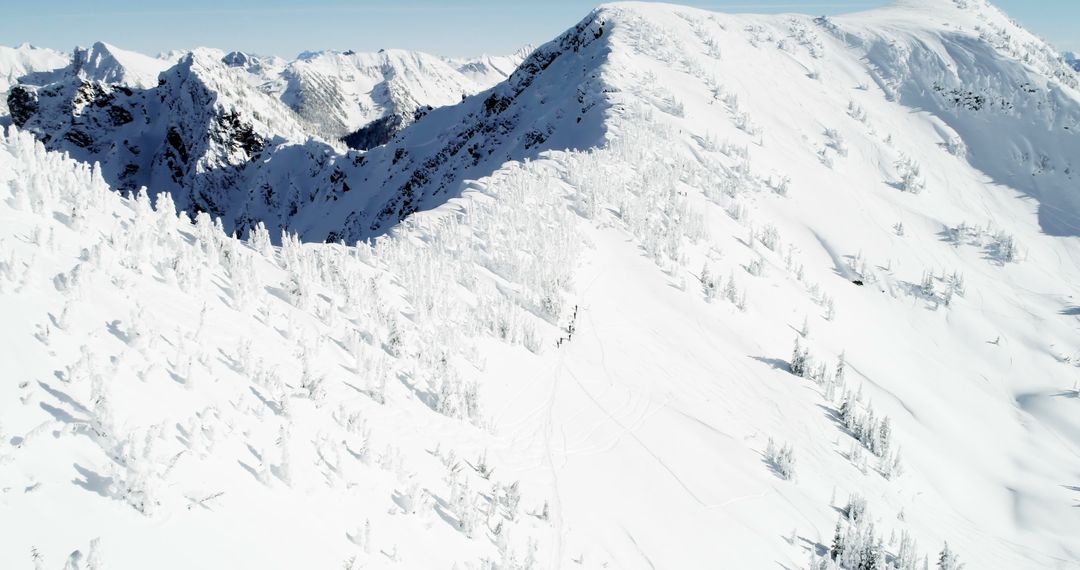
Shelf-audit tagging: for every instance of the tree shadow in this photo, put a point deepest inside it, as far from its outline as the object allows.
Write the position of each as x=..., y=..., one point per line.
x=406, y=504
x=442, y=508
x=93, y=481
x=812, y=545
x=183, y=436
x=279, y=293
x=114, y=329
x=228, y=360
x=773, y=467
x=427, y=397
x=58, y=414
x=834, y=415
x=776, y=363
x=63, y=397
x=250, y=470
x=274, y=406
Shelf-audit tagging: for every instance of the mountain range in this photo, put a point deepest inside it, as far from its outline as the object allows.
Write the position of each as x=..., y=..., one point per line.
x=676, y=289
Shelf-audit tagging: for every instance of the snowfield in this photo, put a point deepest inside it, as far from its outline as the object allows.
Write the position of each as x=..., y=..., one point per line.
x=687, y=290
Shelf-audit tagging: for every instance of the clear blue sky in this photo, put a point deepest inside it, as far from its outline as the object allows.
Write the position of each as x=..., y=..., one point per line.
x=470, y=27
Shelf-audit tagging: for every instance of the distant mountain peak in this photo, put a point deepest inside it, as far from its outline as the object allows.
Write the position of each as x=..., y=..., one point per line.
x=1072, y=60
x=110, y=64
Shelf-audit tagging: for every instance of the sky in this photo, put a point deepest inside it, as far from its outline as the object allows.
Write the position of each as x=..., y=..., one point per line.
x=450, y=28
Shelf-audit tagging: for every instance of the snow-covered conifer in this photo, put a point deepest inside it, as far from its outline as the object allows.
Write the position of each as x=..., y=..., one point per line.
x=800, y=360
x=949, y=560
x=781, y=458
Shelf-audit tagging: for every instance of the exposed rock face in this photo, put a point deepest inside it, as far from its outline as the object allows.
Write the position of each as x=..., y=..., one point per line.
x=22, y=104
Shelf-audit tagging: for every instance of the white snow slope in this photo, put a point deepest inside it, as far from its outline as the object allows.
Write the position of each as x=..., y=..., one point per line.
x=579, y=360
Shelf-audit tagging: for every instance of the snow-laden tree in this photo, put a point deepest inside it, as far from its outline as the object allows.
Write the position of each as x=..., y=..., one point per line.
x=781, y=459
x=910, y=174
x=948, y=560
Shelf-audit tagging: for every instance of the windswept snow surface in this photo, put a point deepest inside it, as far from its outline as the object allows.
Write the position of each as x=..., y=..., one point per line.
x=578, y=358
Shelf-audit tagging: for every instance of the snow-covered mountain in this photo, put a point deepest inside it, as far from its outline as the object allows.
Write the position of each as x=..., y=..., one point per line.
x=366, y=98
x=104, y=63
x=25, y=59
x=370, y=96
x=687, y=290
x=19, y=61
x=488, y=70
x=1072, y=60
x=197, y=132
x=240, y=136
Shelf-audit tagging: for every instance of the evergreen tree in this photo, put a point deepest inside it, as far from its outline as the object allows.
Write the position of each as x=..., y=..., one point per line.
x=948, y=560
x=837, y=549
x=799, y=360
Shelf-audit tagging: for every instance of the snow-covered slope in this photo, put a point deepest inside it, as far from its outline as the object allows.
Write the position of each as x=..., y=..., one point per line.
x=575, y=348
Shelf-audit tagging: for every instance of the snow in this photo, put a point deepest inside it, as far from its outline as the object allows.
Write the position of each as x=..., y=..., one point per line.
x=368, y=86
x=22, y=60
x=489, y=70
x=110, y=64
x=242, y=136
x=615, y=250
x=1072, y=60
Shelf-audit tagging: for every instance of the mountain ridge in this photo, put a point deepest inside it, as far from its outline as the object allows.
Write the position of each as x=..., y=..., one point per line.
x=686, y=289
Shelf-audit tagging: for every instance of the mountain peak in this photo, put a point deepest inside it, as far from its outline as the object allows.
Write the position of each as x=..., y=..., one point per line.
x=110, y=64
x=1072, y=60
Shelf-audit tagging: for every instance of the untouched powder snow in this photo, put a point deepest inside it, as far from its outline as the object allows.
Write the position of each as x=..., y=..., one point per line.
x=688, y=290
